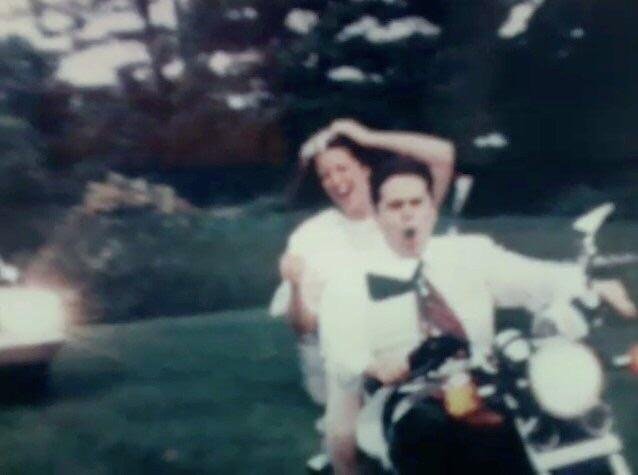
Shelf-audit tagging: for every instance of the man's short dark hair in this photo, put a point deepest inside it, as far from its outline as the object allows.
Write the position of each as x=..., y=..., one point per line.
x=396, y=166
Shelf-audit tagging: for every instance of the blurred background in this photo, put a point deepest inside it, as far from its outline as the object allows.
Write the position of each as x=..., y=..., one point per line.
x=194, y=110
x=146, y=151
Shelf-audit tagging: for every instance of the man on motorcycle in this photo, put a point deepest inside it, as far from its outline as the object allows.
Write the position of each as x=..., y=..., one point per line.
x=412, y=288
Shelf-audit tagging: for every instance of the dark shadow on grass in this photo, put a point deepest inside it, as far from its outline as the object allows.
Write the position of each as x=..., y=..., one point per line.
x=82, y=386
x=24, y=385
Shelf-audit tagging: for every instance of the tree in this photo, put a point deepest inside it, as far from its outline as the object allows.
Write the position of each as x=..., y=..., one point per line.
x=22, y=75
x=534, y=93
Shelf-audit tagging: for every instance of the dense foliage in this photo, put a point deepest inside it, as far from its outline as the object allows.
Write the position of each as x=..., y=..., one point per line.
x=22, y=74
x=214, y=97
x=540, y=96
x=138, y=264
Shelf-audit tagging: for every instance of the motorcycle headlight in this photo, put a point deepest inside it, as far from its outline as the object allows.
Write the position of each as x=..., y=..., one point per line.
x=566, y=379
x=512, y=346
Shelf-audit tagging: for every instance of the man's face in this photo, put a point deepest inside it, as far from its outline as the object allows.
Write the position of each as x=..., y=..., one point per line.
x=406, y=214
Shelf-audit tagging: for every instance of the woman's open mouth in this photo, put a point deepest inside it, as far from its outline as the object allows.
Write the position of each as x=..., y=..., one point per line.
x=342, y=193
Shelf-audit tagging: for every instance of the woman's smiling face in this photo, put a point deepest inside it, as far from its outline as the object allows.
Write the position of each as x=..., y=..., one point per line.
x=345, y=181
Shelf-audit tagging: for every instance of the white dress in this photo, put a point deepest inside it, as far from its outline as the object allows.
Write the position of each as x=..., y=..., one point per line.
x=328, y=242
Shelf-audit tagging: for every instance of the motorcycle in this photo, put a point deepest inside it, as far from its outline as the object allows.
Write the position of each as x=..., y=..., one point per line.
x=548, y=381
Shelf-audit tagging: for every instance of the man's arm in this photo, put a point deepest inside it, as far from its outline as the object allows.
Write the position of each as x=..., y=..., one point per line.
x=614, y=292
x=436, y=153
x=520, y=281
x=515, y=280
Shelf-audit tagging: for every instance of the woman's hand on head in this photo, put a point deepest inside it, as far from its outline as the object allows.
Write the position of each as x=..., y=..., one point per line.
x=319, y=141
x=350, y=128
x=291, y=267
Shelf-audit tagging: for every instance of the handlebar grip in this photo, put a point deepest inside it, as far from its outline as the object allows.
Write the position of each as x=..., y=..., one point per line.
x=434, y=351
x=371, y=385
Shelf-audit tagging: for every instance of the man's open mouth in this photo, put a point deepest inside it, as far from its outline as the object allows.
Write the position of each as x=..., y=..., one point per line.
x=409, y=233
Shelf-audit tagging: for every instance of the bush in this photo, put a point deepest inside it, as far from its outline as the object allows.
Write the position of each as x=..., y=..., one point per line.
x=142, y=264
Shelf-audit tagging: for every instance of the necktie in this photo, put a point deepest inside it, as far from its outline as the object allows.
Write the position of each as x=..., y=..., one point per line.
x=433, y=308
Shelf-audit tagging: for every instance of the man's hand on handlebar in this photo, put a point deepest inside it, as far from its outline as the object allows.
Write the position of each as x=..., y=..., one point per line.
x=614, y=292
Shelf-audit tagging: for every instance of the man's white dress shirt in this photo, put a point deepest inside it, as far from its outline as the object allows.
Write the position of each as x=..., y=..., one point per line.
x=472, y=273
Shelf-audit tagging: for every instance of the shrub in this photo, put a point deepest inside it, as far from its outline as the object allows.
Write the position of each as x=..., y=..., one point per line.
x=140, y=264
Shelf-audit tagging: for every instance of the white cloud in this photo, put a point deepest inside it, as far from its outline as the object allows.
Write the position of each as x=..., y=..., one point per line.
x=116, y=5
x=577, y=33
x=352, y=74
x=249, y=100
x=25, y=27
x=174, y=69
x=246, y=13
x=143, y=73
x=491, y=140
x=106, y=24
x=14, y=7
x=223, y=63
x=301, y=21
x=55, y=3
x=97, y=66
x=55, y=22
x=162, y=13
x=518, y=19
x=358, y=28
x=347, y=74
x=395, y=30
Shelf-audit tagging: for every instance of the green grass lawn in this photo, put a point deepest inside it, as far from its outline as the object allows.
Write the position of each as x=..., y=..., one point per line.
x=210, y=394
x=214, y=394
x=220, y=393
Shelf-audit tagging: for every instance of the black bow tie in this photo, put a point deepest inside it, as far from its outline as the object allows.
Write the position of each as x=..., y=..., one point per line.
x=382, y=287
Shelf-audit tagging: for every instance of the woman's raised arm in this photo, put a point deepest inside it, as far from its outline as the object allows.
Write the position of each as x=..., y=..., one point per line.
x=436, y=153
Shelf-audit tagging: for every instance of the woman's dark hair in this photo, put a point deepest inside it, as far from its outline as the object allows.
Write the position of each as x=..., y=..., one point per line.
x=357, y=151
x=397, y=166
x=306, y=188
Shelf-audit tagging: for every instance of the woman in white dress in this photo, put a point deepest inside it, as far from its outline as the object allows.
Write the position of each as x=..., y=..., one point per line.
x=327, y=242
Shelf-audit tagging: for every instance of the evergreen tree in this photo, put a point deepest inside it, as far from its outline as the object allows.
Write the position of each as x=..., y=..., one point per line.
x=530, y=91
x=22, y=75
x=371, y=60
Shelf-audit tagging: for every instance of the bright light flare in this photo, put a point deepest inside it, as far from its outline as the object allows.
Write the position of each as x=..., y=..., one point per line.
x=31, y=314
x=566, y=378
x=633, y=359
